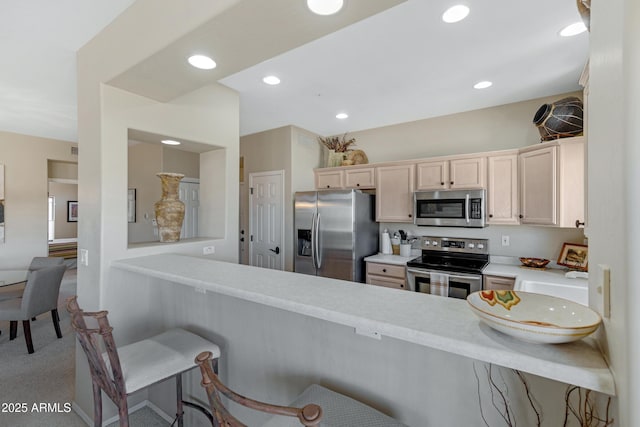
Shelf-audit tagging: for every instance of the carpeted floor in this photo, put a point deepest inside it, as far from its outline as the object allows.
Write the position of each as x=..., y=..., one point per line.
x=46, y=377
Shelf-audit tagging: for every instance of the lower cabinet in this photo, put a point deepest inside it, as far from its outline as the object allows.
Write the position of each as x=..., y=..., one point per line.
x=388, y=275
x=499, y=283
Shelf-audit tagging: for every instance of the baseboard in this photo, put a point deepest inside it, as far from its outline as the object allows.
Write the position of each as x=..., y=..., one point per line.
x=78, y=410
x=89, y=421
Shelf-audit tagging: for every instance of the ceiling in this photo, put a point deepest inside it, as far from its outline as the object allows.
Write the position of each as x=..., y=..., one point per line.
x=399, y=65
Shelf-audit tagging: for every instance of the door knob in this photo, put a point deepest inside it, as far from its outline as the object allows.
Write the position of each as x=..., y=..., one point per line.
x=276, y=250
x=578, y=223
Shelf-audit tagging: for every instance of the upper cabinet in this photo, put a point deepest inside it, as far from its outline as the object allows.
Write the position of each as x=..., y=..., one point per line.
x=462, y=173
x=394, y=193
x=552, y=183
x=345, y=177
x=502, y=189
x=330, y=178
x=360, y=178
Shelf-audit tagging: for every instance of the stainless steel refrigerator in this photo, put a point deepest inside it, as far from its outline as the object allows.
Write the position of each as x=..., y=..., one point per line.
x=334, y=231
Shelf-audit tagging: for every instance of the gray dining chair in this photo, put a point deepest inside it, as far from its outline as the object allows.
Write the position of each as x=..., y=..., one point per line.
x=37, y=263
x=40, y=295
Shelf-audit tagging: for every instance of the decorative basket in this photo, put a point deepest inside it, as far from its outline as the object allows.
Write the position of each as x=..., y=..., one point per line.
x=534, y=262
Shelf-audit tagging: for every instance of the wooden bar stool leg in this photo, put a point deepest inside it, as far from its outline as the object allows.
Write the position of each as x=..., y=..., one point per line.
x=180, y=409
x=97, y=405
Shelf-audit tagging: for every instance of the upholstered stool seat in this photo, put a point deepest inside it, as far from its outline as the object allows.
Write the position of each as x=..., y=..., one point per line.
x=338, y=410
x=316, y=406
x=121, y=371
x=160, y=357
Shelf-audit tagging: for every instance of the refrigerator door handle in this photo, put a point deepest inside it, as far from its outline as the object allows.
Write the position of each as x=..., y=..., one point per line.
x=313, y=240
x=317, y=242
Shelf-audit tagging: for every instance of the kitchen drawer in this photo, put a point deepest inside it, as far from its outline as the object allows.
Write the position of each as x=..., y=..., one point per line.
x=499, y=283
x=386, y=270
x=388, y=282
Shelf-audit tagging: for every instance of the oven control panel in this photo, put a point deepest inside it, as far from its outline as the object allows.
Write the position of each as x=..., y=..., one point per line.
x=455, y=244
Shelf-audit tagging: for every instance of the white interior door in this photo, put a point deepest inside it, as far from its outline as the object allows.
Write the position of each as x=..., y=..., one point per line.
x=189, y=194
x=266, y=211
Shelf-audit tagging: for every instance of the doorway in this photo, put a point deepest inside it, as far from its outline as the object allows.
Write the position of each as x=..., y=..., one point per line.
x=266, y=219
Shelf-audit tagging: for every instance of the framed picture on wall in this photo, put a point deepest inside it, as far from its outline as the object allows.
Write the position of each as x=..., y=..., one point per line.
x=131, y=205
x=72, y=211
x=574, y=256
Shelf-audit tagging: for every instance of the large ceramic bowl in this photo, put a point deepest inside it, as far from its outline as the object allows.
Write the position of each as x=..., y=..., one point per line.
x=534, y=317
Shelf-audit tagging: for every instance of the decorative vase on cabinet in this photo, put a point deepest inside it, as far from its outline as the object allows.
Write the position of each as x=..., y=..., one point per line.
x=334, y=158
x=169, y=209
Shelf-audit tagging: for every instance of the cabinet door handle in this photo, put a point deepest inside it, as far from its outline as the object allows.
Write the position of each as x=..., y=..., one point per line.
x=410, y=215
x=490, y=215
x=384, y=270
x=442, y=183
x=520, y=216
x=328, y=186
x=451, y=182
x=357, y=185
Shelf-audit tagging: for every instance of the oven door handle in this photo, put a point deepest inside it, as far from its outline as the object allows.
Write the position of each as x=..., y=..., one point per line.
x=451, y=276
x=466, y=208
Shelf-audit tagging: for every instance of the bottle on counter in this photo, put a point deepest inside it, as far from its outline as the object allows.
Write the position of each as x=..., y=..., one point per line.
x=386, y=242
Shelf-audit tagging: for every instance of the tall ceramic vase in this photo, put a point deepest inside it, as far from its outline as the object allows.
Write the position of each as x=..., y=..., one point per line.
x=169, y=209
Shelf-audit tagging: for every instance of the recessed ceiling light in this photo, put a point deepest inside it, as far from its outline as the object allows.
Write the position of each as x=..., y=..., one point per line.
x=325, y=7
x=455, y=14
x=342, y=116
x=573, y=29
x=482, y=85
x=202, y=62
x=170, y=142
x=271, y=80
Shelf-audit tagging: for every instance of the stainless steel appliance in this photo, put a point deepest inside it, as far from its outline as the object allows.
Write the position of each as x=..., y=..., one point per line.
x=334, y=231
x=450, y=208
x=454, y=263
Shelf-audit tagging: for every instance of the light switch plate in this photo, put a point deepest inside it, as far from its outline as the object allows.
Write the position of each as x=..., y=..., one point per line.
x=84, y=256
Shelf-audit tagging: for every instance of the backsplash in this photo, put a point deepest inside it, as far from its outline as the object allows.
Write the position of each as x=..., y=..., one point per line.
x=524, y=241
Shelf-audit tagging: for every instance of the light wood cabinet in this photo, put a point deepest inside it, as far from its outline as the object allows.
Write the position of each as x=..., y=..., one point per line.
x=462, y=173
x=502, y=189
x=394, y=193
x=552, y=183
x=333, y=178
x=346, y=177
x=498, y=283
x=360, y=178
x=388, y=275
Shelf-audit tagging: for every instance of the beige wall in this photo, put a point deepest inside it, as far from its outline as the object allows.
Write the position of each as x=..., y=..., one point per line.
x=289, y=148
x=144, y=161
x=179, y=161
x=264, y=152
x=63, y=170
x=64, y=193
x=26, y=182
x=496, y=128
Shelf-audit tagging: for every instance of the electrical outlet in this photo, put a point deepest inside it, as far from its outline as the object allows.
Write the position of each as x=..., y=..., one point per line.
x=208, y=250
x=505, y=241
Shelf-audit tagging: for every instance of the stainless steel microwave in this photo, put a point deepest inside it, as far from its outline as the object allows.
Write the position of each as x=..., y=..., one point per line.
x=450, y=208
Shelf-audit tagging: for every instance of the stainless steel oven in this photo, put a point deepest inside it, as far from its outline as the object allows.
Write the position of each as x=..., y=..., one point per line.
x=459, y=285
x=448, y=266
x=450, y=208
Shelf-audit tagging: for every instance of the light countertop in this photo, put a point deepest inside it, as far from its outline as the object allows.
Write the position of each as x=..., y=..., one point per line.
x=446, y=324
x=391, y=259
x=553, y=275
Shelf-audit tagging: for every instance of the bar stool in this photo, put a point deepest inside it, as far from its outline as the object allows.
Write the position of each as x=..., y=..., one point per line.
x=316, y=406
x=121, y=371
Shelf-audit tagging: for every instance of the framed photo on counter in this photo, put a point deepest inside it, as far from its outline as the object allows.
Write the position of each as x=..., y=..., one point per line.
x=574, y=256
